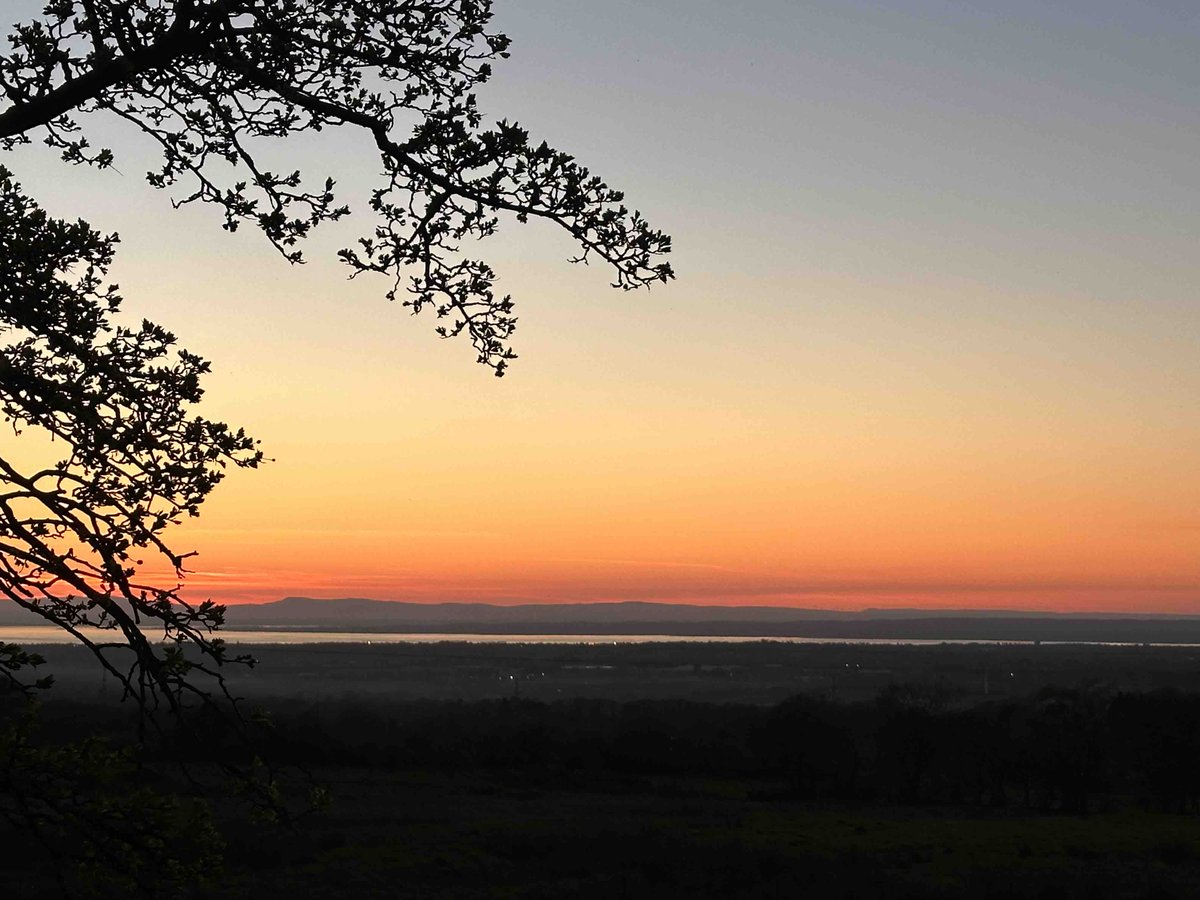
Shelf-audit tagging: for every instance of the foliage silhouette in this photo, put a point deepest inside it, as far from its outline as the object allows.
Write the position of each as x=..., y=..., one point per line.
x=208, y=79
x=83, y=538
x=1066, y=750
x=90, y=809
x=74, y=533
x=128, y=459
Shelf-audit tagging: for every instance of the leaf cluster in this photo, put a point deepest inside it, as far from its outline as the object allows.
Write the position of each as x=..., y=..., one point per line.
x=86, y=807
x=133, y=459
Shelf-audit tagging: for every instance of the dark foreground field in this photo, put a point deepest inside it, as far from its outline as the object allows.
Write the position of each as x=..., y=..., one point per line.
x=492, y=834
x=700, y=770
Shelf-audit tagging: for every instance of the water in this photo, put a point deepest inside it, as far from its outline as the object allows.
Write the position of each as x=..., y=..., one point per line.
x=33, y=635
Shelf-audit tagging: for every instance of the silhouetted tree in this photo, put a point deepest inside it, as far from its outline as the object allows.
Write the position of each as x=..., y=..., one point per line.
x=131, y=458
x=1156, y=737
x=89, y=809
x=126, y=459
x=1069, y=747
x=208, y=80
x=811, y=741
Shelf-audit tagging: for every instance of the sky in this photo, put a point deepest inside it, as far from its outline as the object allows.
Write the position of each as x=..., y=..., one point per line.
x=933, y=340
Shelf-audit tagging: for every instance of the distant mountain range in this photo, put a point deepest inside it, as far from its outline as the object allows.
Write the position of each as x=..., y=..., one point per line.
x=637, y=617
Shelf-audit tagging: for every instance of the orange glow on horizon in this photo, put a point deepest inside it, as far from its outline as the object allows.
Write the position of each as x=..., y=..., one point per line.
x=933, y=341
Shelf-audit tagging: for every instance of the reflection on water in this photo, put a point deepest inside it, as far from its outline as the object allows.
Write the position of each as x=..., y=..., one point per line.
x=48, y=634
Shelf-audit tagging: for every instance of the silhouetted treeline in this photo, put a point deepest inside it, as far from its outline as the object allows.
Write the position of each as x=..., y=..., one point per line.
x=1061, y=749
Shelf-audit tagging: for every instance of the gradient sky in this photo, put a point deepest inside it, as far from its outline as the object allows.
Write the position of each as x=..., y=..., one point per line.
x=934, y=340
